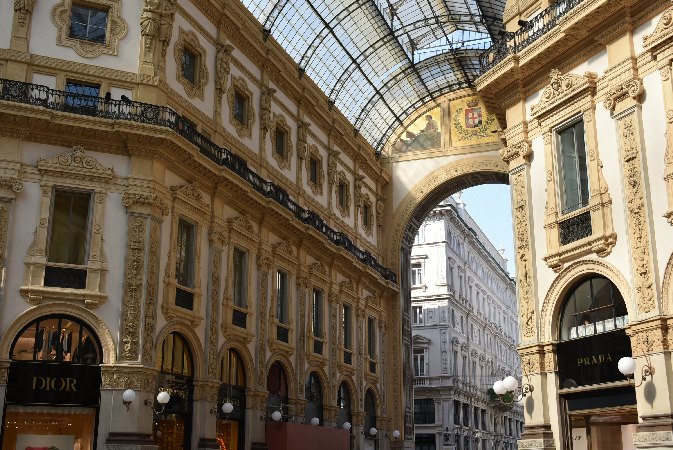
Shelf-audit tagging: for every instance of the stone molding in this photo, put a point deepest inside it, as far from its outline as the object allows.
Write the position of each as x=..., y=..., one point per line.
x=284, y=161
x=241, y=85
x=652, y=437
x=189, y=39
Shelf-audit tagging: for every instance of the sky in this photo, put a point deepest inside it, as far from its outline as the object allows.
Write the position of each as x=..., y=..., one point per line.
x=490, y=206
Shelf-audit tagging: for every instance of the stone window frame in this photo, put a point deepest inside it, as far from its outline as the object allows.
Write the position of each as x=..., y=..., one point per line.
x=283, y=260
x=242, y=234
x=240, y=85
x=368, y=227
x=189, y=39
x=187, y=204
x=284, y=162
x=347, y=298
x=346, y=208
x=565, y=100
x=318, y=279
x=117, y=27
x=316, y=188
x=79, y=171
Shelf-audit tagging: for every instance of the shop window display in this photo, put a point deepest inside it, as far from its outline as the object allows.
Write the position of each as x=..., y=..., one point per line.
x=53, y=386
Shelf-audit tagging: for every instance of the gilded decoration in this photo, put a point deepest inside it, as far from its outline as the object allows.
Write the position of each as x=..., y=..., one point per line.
x=61, y=15
x=471, y=123
x=284, y=161
x=567, y=98
x=317, y=187
x=240, y=85
x=189, y=40
x=422, y=134
x=344, y=207
x=69, y=168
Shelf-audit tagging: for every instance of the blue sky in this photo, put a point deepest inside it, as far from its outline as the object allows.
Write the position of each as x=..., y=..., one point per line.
x=490, y=206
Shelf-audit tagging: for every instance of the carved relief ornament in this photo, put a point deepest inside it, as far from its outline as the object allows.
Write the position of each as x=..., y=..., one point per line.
x=662, y=33
x=190, y=41
x=561, y=88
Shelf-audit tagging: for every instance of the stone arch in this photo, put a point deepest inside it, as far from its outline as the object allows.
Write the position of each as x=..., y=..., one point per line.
x=430, y=190
x=324, y=381
x=566, y=280
x=289, y=372
x=194, y=344
x=245, y=355
x=667, y=287
x=355, y=400
x=95, y=322
x=377, y=397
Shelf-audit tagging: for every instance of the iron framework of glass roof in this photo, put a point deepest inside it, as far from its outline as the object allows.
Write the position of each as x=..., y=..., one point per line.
x=380, y=60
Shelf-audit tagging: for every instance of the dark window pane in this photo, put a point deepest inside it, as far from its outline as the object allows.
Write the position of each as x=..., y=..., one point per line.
x=240, y=108
x=88, y=23
x=280, y=142
x=240, y=278
x=574, y=174
x=68, y=239
x=189, y=60
x=184, y=259
x=281, y=297
x=317, y=313
x=313, y=167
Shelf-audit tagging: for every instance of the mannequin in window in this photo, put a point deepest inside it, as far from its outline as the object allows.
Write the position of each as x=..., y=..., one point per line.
x=66, y=344
x=85, y=352
x=39, y=342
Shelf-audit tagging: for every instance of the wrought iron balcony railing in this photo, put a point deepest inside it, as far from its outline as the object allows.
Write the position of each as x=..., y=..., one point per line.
x=514, y=42
x=129, y=110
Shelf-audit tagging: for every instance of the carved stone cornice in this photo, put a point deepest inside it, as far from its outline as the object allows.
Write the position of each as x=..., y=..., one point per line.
x=140, y=201
x=512, y=152
x=13, y=183
x=562, y=88
x=662, y=34
x=85, y=166
x=632, y=88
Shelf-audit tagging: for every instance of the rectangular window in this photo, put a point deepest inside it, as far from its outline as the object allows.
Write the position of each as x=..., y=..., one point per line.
x=281, y=136
x=281, y=297
x=416, y=274
x=417, y=315
x=189, y=65
x=464, y=371
x=573, y=167
x=240, y=108
x=365, y=215
x=453, y=318
x=317, y=313
x=341, y=194
x=240, y=278
x=69, y=232
x=346, y=326
x=88, y=23
x=81, y=95
x=424, y=411
x=455, y=363
x=184, y=258
x=313, y=170
x=456, y=412
x=419, y=363
x=371, y=337
x=466, y=416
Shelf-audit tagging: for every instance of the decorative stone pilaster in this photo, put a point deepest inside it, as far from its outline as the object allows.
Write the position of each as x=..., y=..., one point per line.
x=302, y=297
x=264, y=267
x=141, y=281
x=622, y=100
x=332, y=362
x=217, y=240
x=23, y=11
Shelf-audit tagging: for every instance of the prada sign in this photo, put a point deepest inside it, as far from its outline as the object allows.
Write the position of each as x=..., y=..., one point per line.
x=592, y=359
x=43, y=383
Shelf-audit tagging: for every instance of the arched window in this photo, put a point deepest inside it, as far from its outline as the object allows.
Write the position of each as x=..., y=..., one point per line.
x=594, y=306
x=344, y=404
x=313, y=398
x=276, y=385
x=233, y=370
x=57, y=338
x=370, y=412
x=175, y=356
x=230, y=426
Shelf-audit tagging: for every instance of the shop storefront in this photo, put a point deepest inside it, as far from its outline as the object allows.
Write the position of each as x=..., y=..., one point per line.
x=53, y=386
x=231, y=403
x=598, y=404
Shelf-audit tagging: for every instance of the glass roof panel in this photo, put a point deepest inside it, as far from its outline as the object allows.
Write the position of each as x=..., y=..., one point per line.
x=380, y=59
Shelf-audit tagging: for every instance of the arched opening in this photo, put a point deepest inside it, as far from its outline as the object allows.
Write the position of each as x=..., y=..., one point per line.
x=231, y=425
x=173, y=426
x=276, y=385
x=314, y=394
x=370, y=414
x=53, y=385
x=592, y=339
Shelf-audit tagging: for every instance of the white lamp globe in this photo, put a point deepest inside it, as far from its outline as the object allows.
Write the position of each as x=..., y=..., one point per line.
x=626, y=365
x=396, y=434
x=227, y=408
x=163, y=397
x=129, y=396
x=510, y=383
x=346, y=426
x=499, y=387
x=373, y=431
x=276, y=416
x=315, y=421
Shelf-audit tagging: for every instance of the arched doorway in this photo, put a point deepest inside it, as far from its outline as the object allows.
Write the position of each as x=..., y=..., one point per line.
x=370, y=420
x=276, y=385
x=314, y=394
x=53, y=386
x=345, y=413
x=592, y=338
x=173, y=426
x=231, y=426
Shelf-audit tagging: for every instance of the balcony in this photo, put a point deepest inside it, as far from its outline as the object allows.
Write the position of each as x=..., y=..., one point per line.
x=161, y=116
x=514, y=42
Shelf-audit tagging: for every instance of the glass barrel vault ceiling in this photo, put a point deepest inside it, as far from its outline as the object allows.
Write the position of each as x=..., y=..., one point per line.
x=379, y=60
